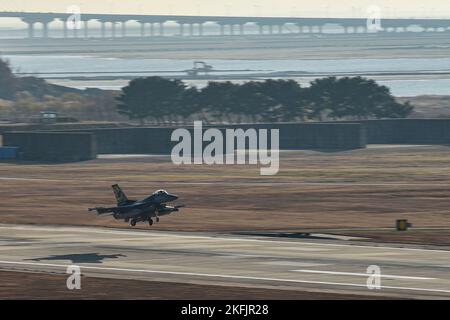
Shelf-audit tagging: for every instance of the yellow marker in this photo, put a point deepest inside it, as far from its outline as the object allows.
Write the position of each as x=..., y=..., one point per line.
x=402, y=225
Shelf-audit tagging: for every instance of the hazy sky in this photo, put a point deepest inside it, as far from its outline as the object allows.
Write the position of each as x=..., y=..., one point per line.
x=298, y=8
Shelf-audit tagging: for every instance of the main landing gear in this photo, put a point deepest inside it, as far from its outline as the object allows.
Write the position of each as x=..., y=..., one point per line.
x=150, y=221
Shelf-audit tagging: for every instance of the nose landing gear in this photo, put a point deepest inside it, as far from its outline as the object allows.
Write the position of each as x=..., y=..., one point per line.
x=133, y=223
x=150, y=222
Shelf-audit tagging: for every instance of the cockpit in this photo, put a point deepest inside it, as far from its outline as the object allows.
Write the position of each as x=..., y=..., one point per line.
x=160, y=192
x=161, y=196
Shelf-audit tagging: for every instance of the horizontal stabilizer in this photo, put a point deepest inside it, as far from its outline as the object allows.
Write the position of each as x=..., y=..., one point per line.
x=101, y=211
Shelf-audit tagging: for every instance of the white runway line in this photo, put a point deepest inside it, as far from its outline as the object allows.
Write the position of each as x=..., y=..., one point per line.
x=222, y=276
x=294, y=264
x=362, y=274
x=30, y=179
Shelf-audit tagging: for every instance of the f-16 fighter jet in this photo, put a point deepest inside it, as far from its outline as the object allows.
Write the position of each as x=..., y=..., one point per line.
x=134, y=211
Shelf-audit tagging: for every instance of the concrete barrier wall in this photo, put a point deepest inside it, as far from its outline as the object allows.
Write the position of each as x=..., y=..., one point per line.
x=328, y=135
x=333, y=136
x=408, y=131
x=79, y=144
x=157, y=140
x=53, y=146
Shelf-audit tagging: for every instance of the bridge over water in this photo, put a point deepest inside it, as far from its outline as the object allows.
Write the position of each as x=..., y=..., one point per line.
x=194, y=25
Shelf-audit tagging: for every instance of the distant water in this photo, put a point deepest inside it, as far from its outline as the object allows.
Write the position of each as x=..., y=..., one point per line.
x=411, y=85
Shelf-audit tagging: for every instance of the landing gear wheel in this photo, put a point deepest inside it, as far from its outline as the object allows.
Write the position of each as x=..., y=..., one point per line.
x=133, y=223
x=157, y=219
x=150, y=222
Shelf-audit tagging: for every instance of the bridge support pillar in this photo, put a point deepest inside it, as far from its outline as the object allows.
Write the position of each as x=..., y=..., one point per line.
x=152, y=29
x=142, y=26
x=86, y=29
x=113, y=29
x=261, y=29
x=271, y=29
x=124, y=29
x=161, y=29
x=191, y=29
x=103, y=29
x=65, y=30
x=232, y=29
x=241, y=29
x=181, y=29
x=45, y=29
x=30, y=29
x=222, y=30
x=200, y=29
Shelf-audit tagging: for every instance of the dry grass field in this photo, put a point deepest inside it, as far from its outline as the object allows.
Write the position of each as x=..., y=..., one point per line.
x=360, y=192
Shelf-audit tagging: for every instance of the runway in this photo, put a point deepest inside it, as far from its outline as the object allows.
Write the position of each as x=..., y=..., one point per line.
x=231, y=260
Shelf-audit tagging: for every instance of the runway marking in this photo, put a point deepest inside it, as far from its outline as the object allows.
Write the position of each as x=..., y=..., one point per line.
x=294, y=264
x=161, y=234
x=33, y=179
x=222, y=276
x=362, y=274
x=306, y=249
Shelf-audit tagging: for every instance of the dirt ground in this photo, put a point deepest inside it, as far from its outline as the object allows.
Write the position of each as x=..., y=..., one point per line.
x=343, y=191
x=16, y=285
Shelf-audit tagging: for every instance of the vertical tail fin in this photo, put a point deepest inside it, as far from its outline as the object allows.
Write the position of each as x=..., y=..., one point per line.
x=120, y=195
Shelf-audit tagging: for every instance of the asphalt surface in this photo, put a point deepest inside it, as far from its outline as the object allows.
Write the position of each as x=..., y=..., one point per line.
x=337, y=266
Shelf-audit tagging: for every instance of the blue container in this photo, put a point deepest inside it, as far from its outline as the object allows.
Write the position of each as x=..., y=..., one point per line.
x=9, y=153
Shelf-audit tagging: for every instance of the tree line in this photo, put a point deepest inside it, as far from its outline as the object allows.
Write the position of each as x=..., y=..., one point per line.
x=163, y=100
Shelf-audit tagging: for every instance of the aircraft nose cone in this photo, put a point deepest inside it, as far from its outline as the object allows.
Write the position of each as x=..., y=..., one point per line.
x=174, y=197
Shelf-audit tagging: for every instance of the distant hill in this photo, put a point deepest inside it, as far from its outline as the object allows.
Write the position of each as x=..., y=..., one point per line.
x=11, y=85
x=39, y=88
